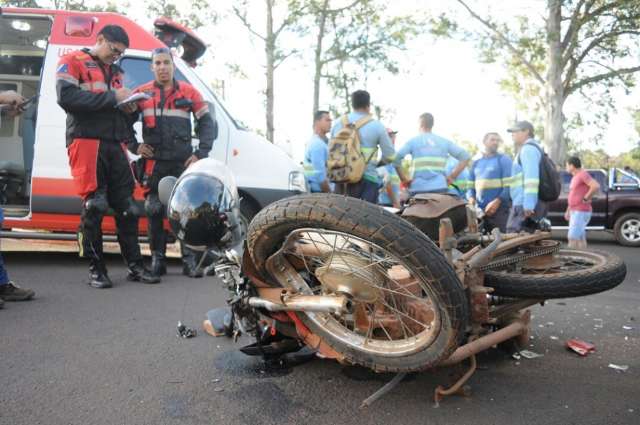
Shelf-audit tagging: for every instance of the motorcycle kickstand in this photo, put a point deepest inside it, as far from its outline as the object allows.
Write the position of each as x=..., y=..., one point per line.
x=384, y=390
x=456, y=388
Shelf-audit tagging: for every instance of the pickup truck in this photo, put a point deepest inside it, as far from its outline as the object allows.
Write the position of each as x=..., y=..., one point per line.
x=616, y=207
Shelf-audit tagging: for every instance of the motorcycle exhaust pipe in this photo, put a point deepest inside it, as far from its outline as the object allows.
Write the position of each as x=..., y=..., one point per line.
x=333, y=304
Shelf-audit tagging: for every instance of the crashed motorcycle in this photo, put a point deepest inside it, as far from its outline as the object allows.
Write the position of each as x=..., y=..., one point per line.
x=364, y=286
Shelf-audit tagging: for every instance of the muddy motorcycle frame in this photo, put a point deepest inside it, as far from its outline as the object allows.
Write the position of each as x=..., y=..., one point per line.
x=364, y=286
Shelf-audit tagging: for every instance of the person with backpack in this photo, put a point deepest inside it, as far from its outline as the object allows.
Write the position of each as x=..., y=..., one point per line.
x=353, y=151
x=429, y=153
x=490, y=182
x=315, y=157
x=535, y=180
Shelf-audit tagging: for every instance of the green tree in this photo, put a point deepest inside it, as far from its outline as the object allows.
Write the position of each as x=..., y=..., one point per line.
x=291, y=12
x=353, y=41
x=580, y=47
x=193, y=14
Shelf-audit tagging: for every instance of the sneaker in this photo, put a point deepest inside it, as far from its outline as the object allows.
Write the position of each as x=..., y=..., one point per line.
x=12, y=292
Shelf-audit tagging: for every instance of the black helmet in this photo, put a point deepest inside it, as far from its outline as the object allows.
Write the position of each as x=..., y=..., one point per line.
x=201, y=211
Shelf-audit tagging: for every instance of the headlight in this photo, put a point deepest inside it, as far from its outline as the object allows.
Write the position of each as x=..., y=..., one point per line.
x=297, y=182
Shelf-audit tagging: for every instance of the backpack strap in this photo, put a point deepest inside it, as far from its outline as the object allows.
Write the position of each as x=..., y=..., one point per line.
x=345, y=121
x=530, y=144
x=362, y=121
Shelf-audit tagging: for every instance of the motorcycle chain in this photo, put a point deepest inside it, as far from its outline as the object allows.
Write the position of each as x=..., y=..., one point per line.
x=536, y=252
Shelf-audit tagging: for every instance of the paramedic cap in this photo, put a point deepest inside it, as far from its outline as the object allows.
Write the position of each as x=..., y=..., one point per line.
x=521, y=126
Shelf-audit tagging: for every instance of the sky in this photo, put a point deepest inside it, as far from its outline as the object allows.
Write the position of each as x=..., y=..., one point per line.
x=443, y=77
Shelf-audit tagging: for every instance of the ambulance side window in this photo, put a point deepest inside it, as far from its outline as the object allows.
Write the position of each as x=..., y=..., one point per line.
x=137, y=71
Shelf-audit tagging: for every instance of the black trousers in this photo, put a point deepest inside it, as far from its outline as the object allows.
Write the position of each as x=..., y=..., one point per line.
x=364, y=189
x=154, y=210
x=113, y=188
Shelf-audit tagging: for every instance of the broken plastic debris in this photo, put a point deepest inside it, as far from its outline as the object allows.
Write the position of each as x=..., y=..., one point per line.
x=530, y=354
x=599, y=323
x=553, y=337
x=185, y=332
x=516, y=356
x=627, y=328
x=621, y=368
x=581, y=347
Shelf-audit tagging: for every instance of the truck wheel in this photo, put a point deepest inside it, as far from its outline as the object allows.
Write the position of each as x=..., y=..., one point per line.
x=348, y=246
x=627, y=229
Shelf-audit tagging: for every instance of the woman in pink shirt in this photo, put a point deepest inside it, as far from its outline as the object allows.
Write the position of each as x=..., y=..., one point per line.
x=578, y=213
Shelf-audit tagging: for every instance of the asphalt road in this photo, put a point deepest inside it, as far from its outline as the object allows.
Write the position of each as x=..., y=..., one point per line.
x=76, y=355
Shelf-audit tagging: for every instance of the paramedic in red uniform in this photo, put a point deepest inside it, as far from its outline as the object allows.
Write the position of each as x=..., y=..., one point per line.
x=89, y=86
x=167, y=148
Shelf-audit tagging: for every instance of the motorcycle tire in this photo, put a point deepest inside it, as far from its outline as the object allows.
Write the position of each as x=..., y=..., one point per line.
x=593, y=272
x=368, y=222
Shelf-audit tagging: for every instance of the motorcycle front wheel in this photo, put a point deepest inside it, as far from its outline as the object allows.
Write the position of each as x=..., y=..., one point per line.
x=409, y=310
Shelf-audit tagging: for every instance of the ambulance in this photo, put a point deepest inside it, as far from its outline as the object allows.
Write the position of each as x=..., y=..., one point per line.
x=36, y=190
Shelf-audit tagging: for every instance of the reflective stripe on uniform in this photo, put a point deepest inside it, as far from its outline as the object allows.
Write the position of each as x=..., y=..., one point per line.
x=200, y=112
x=66, y=77
x=429, y=163
x=149, y=112
x=484, y=184
x=309, y=171
x=94, y=86
x=531, y=185
x=516, y=181
x=368, y=153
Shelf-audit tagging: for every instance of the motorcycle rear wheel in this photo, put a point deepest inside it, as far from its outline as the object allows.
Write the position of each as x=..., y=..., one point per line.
x=347, y=246
x=568, y=273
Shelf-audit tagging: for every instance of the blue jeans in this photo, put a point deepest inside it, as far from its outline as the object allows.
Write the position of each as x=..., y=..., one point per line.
x=578, y=221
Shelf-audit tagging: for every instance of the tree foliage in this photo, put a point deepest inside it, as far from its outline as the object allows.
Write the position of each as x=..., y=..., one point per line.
x=193, y=14
x=355, y=41
x=282, y=18
x=591, y=51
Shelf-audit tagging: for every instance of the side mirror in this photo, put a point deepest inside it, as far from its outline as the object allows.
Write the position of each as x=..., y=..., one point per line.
x=165, y=187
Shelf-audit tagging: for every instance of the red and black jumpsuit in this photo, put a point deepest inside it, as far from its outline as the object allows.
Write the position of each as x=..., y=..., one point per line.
x=97, y=133
x=167, y=129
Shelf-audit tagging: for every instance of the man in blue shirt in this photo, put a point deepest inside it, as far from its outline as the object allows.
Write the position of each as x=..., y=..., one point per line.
x=490, y=183
x=315, y=157
x=429, y=153
x=373, y=135
x=525, y=179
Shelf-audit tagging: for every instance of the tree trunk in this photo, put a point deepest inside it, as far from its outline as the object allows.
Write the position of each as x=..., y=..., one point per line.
x=270, y=47
x=322, y=21
x=554, y=125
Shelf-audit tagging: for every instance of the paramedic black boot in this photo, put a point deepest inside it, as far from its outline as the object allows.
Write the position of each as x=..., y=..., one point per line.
x=138, y=273
x=158, y=265
x=98, y=277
